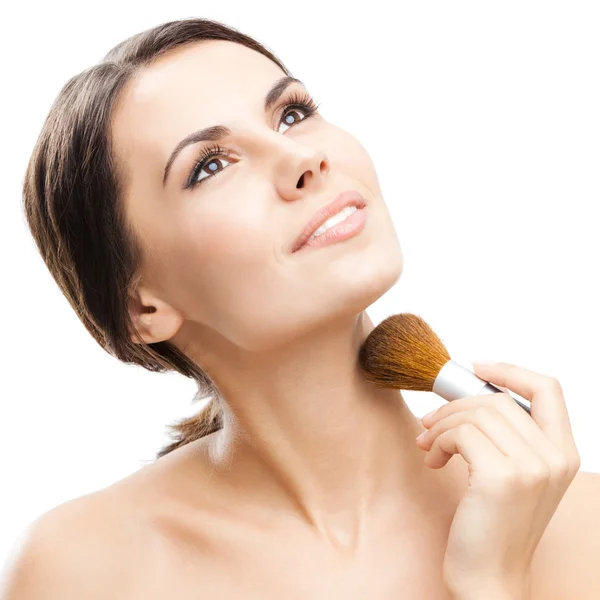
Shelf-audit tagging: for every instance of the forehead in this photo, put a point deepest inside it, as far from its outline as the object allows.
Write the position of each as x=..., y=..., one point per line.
x=191, y=87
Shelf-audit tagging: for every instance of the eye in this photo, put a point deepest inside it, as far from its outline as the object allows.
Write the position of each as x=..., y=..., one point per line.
x=212, y=162
x=303, y=104
x=211, y=157
x=289, y=120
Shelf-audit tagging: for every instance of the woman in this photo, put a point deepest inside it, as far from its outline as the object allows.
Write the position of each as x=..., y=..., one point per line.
x=177, y=243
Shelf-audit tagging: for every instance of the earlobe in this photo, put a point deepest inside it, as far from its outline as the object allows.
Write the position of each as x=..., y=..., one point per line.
x=143, y=324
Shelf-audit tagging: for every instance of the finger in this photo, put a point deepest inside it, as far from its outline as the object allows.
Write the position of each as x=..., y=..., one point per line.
x=548, y=407
x=521, y=421
x=471, y=443
x=497, y=428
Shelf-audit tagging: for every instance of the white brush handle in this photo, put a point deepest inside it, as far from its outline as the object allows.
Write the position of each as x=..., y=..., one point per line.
x=455, y=381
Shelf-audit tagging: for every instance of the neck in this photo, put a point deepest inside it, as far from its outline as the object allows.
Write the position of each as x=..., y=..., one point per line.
x=304, y=430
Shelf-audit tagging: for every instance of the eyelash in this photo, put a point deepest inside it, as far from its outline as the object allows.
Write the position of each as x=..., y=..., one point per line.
x=303, y=102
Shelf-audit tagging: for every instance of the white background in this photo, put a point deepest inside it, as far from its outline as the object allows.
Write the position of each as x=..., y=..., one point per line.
x=483, y=121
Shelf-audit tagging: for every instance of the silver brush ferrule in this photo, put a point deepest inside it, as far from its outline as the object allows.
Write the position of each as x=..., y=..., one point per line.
x=455, y=381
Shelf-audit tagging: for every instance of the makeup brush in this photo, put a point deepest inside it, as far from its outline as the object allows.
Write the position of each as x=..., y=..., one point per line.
x=403, y=352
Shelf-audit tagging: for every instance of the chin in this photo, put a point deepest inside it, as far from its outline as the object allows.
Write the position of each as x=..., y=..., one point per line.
x=368, y=281
x=374, y=268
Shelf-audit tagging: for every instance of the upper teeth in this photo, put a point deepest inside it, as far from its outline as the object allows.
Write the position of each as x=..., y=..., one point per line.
x=337, y=218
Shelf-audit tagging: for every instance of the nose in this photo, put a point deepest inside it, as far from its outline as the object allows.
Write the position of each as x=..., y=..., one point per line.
x=300, y=168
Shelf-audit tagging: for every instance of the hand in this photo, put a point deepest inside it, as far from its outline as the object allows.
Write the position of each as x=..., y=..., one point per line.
x=520, y=467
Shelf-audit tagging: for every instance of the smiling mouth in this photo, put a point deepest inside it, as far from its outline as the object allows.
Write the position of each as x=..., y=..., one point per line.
x=328, y=216
x=349, y=225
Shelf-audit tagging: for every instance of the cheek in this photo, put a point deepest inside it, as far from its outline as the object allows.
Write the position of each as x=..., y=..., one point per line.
x=226, y=240
x=233, y=276
x=348, y=156
x=225, y=261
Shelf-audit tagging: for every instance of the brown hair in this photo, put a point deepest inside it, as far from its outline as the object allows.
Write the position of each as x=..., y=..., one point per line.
x=72, y=195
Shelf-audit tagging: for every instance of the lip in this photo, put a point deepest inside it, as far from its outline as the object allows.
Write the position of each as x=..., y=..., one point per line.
x=347, y=198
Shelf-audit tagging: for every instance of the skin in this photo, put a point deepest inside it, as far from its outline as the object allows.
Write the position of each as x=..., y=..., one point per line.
x=278, y=332
x=315, y=487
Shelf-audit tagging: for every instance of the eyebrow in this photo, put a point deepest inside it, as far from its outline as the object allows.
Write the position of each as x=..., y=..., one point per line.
x=218, y=132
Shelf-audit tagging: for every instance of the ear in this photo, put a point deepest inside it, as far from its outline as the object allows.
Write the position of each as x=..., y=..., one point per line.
x=154, y=319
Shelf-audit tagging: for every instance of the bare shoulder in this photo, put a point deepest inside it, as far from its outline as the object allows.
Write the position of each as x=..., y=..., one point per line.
x=111, y=543
x=93, y=546
x=567, y=560
x=75, y=550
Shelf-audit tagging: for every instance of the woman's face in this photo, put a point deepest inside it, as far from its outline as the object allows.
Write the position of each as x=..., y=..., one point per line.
x=219, y=252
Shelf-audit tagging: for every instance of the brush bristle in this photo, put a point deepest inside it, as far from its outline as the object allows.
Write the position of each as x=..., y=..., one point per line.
x=403, y=352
